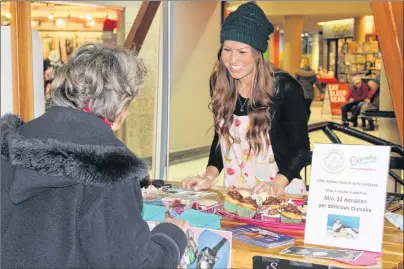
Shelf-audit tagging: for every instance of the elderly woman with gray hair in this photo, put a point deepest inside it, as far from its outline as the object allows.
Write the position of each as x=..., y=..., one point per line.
x=71, y=195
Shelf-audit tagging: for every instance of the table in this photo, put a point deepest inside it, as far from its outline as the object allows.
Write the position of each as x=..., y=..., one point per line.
x=243, y=253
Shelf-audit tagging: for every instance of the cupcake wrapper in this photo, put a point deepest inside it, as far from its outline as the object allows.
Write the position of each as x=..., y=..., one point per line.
x=230, y=207
x=271, y=219
x=245, y=212
x=288, y=220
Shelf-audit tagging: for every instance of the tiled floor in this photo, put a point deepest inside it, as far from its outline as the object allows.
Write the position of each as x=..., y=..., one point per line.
x=178, y=172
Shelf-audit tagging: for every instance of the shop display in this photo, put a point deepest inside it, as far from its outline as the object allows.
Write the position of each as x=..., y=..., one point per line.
x=51, y=65
x=63, y=43
x=359, y=59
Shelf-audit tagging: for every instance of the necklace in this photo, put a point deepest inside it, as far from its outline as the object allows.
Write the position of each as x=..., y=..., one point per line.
x=242, y=105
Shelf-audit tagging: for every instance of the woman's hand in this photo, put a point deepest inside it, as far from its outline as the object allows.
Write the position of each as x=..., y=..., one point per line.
x=274, y=188
x=182, y=224
x=204, y=182
x=262, y=187
x=197, y=183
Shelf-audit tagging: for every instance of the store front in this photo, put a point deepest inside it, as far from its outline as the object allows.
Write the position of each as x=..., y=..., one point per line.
x=64, y=27
x=348, y=54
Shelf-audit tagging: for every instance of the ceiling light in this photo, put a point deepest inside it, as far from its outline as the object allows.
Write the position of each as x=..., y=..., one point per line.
x=306, y=34
x=321, y=23
x=8, y=15
x=51, y=17
x=302, y=35
x=34, y=23
x=89, y=17
x=59, y=23
x=92, y=23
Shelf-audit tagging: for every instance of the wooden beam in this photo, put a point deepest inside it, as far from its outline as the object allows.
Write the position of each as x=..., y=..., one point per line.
x=388, y=18
x=141, y=25
x=21, y=49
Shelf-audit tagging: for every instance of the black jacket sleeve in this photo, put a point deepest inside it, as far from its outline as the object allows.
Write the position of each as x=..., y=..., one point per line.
x=295, y=121
x=318, y=84
x=114, y=235
x=215, y=156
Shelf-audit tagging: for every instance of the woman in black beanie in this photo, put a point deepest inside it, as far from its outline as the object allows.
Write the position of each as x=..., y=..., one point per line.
x=260, y=118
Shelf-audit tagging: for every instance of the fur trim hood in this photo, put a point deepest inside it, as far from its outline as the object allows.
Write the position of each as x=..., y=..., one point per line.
x=305, y=72
x=53, y=161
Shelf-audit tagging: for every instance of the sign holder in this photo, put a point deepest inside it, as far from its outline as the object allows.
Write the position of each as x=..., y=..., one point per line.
x=349, y=183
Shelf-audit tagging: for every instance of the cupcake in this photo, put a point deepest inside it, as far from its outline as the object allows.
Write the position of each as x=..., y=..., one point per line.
x=247, y=155
x=291, y=214
x=273, y=202
x=260, y=197
x=247, y=207
x=231, y=201
x=270, y=215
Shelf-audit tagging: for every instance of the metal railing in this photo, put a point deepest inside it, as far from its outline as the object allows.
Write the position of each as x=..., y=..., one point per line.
x=379, y=114
x=328, y=129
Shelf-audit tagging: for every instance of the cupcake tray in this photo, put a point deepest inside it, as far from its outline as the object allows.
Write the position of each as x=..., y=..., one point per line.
x=285, y=228
x=182, y=200
x=172, y=192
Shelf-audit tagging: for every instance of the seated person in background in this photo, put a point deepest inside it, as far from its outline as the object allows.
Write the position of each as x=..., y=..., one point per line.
x=373, y=86
x=70, y=191
x=358, y=92
x=372, y=104
x=307, y=78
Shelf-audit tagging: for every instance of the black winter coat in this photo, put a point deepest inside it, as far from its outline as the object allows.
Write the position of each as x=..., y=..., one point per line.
x=71, y=198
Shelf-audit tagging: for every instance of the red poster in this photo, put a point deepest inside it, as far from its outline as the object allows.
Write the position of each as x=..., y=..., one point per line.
x=338, y=93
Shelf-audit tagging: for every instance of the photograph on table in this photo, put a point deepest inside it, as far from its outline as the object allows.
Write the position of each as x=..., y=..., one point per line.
x=343, y=255
x=340, y=226
x=207, y=249
x=179, y=192
x=260, y=237
x=261, y=262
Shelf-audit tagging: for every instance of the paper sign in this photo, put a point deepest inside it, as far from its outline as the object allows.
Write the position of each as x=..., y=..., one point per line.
x=347, y=196
x=338, y=93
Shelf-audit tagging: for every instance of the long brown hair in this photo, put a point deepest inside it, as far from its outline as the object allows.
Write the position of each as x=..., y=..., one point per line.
x=224, y=99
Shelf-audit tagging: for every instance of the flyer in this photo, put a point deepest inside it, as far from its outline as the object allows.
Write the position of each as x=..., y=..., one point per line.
x=347, y=197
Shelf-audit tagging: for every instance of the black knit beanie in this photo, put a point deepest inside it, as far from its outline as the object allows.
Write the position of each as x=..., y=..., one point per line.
x=248, y=24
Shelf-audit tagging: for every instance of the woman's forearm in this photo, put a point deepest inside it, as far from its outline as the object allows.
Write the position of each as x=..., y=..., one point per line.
x=211, y=173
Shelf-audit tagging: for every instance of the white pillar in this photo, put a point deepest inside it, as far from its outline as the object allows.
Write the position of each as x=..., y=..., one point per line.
x=315, y=51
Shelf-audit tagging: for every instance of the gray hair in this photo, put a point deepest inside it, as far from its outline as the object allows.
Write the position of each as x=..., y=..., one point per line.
x=107, y=79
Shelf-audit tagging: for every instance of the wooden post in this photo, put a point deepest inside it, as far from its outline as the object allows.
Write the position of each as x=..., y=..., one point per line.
x=141, y=25
x=388, y=17
x=21, y=49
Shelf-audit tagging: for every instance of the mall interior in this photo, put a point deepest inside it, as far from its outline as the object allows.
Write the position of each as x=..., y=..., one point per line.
x=341, y=39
